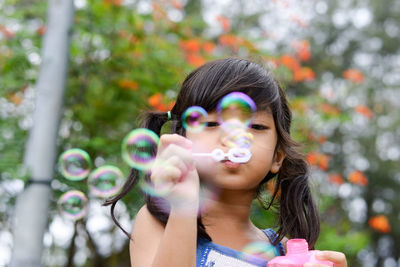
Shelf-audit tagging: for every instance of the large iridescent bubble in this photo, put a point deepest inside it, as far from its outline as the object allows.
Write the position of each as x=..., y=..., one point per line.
x=105, y=181
x=260, y=249
x=139, y=147
x=193, y=119
x=75, y=164
x=235, y=134
x=73, y=204
x=236, y=105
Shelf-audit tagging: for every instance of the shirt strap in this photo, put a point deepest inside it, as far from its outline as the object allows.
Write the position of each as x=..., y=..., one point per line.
x=272, y=236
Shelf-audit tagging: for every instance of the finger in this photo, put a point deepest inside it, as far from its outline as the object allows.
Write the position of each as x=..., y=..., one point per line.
x=337, y=257
x=168, y=174
x=167, y=139
x=182, y=154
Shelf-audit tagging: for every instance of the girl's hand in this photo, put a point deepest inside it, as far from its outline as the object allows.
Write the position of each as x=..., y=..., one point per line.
x=174, y=171
x=338, y=258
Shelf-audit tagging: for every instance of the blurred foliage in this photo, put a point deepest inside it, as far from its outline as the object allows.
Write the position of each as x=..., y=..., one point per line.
x=339, y=68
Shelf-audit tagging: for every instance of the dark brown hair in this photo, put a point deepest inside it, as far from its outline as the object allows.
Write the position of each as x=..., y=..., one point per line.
x=205, y=86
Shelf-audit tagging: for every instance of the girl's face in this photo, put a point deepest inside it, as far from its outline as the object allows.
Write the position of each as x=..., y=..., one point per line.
x=245, y=176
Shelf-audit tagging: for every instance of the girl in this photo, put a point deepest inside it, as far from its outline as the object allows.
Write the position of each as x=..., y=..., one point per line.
x=172, y=230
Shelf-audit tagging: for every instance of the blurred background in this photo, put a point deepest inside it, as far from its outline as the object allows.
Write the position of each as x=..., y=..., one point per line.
x=338, y=61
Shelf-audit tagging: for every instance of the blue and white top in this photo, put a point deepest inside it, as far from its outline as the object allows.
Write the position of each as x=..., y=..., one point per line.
x=210, y=254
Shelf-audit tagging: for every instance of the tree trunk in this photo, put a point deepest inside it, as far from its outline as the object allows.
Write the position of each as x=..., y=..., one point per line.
x=31, y=213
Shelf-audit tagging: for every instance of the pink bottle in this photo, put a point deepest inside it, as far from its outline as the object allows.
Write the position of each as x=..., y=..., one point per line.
x=297, y=255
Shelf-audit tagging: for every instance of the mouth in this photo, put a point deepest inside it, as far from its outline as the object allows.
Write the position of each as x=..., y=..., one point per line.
x=230, y=165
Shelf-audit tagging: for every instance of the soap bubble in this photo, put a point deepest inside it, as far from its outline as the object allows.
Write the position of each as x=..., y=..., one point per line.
x=161, y=190
x=105, y=181
x=75, y=164
x=73, y=204
x=236, y=105
x=261, y=249
x=193, y=119
x=235, y=134
x=139, y=147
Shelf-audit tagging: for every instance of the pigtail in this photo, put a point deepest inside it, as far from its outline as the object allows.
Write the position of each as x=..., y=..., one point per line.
x=298, y=214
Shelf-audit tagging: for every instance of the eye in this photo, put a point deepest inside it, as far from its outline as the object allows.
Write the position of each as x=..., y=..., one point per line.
x=212, y=124
x=259, y=127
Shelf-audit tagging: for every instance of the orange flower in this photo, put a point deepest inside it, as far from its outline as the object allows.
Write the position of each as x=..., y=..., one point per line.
x=195, y=60
x=290, y=62
x=6, y=32
x=329, y=109
x=15, y=98
x=322, y=139
x=358, y=177
x=353, y=75
x=302, y=49
x=155, y=99
x=208, y=47
x=115, y=2
x=177, y=4
x=312, y=158
x=335, y=178
x=170, y=105
x=41, y=30
x=308, y=74
x=190, y=46
x=380, y=223
x=128, y=84
x=161, y=107
x=318, y=159
x=363, y=110
x=228, y=40
x=225, y=22
x=303, y=74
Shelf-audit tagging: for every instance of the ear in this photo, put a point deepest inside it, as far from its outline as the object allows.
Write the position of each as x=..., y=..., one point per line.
x=277, y=160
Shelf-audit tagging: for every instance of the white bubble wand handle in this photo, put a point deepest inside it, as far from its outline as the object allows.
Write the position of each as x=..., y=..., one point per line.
x=236, y=154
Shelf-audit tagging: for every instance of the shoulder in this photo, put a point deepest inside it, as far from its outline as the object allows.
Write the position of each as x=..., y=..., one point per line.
x=145, y=238
x=144, y=222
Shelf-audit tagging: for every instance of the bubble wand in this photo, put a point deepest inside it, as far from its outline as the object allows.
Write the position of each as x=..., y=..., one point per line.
x=236, y=154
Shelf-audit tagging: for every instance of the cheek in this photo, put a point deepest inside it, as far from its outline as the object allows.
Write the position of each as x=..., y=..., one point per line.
x=206, y=167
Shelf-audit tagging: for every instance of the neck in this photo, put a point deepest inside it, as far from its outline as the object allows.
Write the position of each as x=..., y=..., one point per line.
x=228, y=207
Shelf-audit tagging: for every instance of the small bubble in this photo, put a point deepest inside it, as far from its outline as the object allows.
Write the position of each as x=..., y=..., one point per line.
x=75, y=164
x=105, y=181
x=236, y=105
x=73, y=204
x=193, y=119
x=139, y=147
